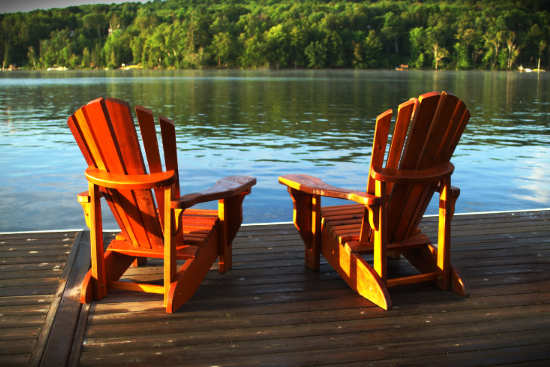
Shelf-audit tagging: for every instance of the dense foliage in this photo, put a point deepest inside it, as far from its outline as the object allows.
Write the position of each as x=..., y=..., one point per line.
x=281, y=34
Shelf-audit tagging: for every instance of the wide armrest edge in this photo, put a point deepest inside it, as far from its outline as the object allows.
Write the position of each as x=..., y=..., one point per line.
x=226, y=187
x=411, y=175
x=315, y=186
x=127, y=181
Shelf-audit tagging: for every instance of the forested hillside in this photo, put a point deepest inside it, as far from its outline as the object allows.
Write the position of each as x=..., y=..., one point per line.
x=281, y=34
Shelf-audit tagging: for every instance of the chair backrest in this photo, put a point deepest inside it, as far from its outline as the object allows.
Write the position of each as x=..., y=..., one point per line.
x=105, y=133
x=425, y=134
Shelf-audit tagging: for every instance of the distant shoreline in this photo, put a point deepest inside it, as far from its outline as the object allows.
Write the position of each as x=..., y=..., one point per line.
x=64, y=69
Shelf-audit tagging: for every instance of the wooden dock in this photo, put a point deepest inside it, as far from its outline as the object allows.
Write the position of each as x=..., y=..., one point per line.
x=271, y=311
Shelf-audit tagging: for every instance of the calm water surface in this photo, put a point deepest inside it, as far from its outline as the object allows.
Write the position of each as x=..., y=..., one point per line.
x=266, y=124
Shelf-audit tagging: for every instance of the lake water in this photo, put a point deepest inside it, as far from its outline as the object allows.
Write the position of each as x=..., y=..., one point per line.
x=268, y=123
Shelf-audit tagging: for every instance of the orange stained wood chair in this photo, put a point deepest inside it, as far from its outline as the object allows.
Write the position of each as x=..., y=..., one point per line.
x=403, y=177
x=155, y=221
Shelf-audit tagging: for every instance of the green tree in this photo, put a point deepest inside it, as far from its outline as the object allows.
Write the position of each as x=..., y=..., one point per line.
x=298, y=42
x=358, y=55
x=513, y=51
x=391, y=30
x=6, y=55
x=494, y=38
x=435, y=40
x=57, y=50
x=417, y=38
x=252, y=28
x=222, y=45
x=117, y=49
x=31, y=56
x=316, y=54
x=95, y=25
x=278, y=46
x=543, y=45
x=373, y=50
x=85, y=61
x=439, y=53
x=466, y=37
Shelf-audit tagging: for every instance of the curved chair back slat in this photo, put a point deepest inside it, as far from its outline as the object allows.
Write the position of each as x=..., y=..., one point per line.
x=106, y=134
x=425, y=134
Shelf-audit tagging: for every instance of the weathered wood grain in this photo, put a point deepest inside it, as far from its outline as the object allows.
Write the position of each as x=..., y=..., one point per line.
x=32, y=276
x=271, y=311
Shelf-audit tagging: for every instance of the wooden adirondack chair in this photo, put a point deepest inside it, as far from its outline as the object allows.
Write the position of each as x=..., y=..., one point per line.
x=385, y=221
x=155, y=221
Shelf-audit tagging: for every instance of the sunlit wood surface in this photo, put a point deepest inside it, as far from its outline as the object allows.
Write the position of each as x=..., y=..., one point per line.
x=271, y=311
x=32, y=272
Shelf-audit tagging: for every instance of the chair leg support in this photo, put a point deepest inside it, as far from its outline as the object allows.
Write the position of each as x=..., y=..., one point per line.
x=87, y=288
x=115, y=264
x=355, y=271
x=191, y=274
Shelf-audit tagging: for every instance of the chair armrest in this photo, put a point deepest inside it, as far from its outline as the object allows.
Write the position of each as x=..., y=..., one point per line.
x=129, y=182
x=315, y=186
x=224, y=188
x=413, y=176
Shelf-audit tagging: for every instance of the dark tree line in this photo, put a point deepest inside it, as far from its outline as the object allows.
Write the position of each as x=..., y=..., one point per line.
x=281, y=34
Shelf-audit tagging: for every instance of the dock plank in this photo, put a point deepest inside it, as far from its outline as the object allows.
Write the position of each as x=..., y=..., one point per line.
x=31, y=273
x=271, y=311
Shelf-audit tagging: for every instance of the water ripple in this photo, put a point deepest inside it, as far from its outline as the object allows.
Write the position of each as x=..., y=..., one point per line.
x=266, y=124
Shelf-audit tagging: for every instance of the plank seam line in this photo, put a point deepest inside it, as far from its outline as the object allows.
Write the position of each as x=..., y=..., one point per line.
x=78, y=336
x=56, y=231
x=478, y=334
x=44, y=335
x=50, y=354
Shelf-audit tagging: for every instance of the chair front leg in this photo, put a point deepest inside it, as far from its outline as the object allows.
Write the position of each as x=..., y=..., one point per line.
x=447, y=199
x=307, y=220
x=96, y=242
x=230, y=215
x=169, y=245
x=84, y=200
x=380, y=232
